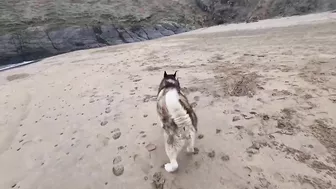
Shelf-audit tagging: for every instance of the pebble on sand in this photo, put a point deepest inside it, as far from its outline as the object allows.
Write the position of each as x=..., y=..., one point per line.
x=150, y=147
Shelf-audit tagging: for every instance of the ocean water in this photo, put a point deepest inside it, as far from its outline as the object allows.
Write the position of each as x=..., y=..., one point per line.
x=11, y=66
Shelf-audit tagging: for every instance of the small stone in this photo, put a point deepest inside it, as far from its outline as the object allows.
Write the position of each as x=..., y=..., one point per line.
x=103, y=123
x=118, y=170
x=117, y=160
x=235, y=118
x=145, y=178
x=200, y=136
x=91, y=100
x=145, y=115
x=212, y=154
x=218, y=131
x=154, y=124
x=116, y=135
x=225, y=158
x=150, y=147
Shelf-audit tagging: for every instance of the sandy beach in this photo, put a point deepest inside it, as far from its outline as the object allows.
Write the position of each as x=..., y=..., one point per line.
x=265, y=95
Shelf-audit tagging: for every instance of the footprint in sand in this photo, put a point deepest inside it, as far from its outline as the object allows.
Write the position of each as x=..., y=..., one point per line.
x=158, y=181
x=117, y=160
x=196, y=98
x=118, y=169
x=248, y=171
x=225, y=157
x=108, y=110
x=143, y=163
x=196, y=151
x=103, y=123
x=278, y=177
x=116, y=134
x=235, y=118
x=143, y=135
x=212, y=154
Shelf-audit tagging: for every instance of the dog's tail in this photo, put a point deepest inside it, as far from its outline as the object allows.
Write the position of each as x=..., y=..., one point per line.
x=176, y=110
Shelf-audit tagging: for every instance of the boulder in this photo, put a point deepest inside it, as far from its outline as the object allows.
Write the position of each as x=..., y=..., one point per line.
x=110, y=35
x=152, y=33
x=34, y=43
x=164, y=31
x=8, y=50
x=74, y=38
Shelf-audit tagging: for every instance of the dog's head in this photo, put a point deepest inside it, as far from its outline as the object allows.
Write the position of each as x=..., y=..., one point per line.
x=169, y=81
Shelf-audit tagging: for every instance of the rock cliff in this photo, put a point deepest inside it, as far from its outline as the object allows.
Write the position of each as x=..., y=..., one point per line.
x=34, y=29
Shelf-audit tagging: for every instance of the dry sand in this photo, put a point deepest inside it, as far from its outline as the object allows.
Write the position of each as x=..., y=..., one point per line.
x=266, y=101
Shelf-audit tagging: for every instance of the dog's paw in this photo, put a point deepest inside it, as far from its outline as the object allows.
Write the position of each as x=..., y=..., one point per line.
x=170, y=167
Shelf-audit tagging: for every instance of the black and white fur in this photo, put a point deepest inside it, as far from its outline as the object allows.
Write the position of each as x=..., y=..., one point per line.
x=178, y=119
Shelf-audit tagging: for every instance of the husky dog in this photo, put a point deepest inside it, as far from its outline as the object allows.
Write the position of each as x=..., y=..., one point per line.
x=177, y=117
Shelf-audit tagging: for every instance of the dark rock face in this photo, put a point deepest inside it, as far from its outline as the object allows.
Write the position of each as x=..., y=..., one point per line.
x=36, y=43
x=233, y=11
x=73, y=38
x=9, y=50
x=21, y=42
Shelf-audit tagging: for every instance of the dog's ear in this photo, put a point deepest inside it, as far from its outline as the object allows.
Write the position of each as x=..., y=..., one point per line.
x=165, y=74
x=175, y=74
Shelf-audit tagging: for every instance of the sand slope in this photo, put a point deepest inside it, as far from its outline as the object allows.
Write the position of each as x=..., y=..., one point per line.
x=266, y=101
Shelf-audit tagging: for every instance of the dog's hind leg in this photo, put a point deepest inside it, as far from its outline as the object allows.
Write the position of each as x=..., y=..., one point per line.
x=172, y=150
x=191, y=141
